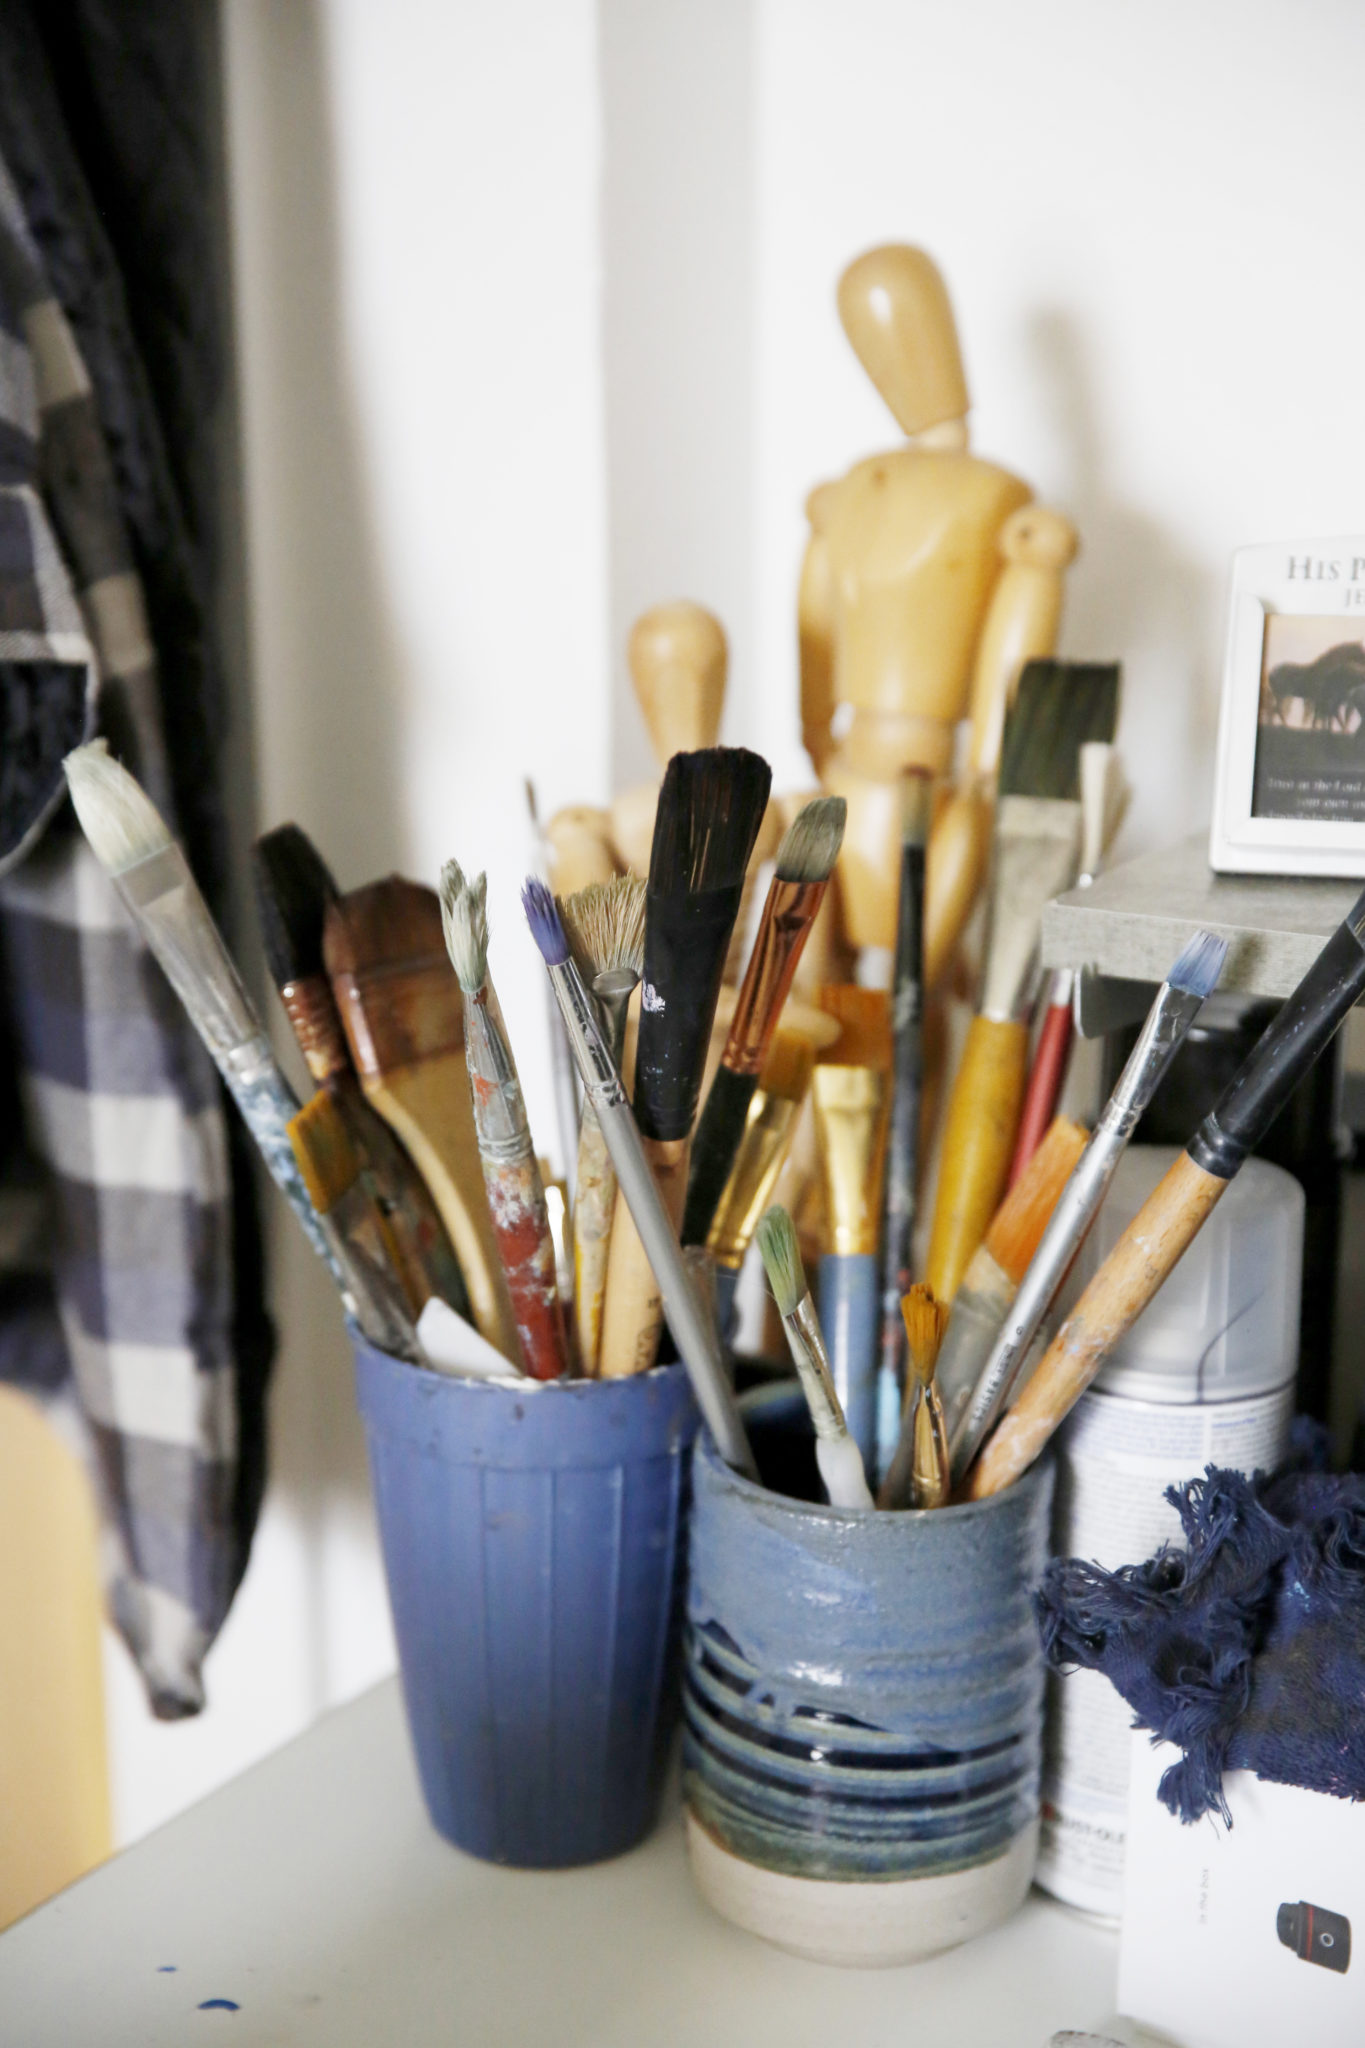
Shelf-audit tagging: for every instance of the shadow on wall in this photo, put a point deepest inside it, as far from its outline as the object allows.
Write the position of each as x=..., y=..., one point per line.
x=1134, y=595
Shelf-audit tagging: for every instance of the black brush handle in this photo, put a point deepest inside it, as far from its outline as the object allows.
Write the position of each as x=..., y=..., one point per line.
x=713, y=1149
x=686, y=939
x=1302, y=1029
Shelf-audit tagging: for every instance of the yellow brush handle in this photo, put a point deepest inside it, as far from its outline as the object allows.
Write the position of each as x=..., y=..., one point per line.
x=1134, y=1270
x=632, y=1315
x=978, y=1144
x=593, y=1208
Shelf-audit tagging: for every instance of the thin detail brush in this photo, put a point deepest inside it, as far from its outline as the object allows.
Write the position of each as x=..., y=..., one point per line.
x=293, y=890
x=710, y=808
x=693, y=1328
x=132, y=844
x=605, y=924
x=516, y=1193
x=837, y=1455
x=805, y=862
x=917, y=1476
x=903, y=1122
x=1058, y=707
x=561, y=1059
x=769, y=1128
x=1192, y=978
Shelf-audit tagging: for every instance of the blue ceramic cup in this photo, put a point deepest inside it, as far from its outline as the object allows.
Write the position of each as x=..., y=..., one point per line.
x=534, y=1541
x=863, y=1691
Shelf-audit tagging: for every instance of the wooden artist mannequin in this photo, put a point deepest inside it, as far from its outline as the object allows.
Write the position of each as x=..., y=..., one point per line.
x=929, y=580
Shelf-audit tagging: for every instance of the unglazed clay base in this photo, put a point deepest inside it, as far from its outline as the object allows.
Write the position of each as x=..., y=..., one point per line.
x=862, y=1926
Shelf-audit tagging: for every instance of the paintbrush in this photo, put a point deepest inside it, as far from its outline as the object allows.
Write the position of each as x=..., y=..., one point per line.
x=805, y=862
x=837, y=1455
x=129, y=839
x=850, y=1089
x=710, y=808
x=516, y=1193
x=400, y=1004
x=293, y=890
x=1171, y=1216
x=903, y=1121
x=1059, y=706
x=693, y=1328
x=765, y=1141
x=605, y=926
x=1104, y=798
x=917, y=1476
x=332, y=1174
x=997, y=1266
x=1193, y=977
x=561, y=1059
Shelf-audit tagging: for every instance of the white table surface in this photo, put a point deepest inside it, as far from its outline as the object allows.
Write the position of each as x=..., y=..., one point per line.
x=314, y=1894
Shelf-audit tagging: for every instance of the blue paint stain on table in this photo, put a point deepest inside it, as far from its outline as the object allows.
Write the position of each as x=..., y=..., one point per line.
x=219, y=2005
x=166, y=1969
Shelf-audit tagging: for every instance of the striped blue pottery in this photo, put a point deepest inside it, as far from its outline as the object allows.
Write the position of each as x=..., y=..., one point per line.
x=534, y=1539
x=863, y=1691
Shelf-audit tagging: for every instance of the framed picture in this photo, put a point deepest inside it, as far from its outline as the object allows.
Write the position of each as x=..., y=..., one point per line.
x=1289, y=798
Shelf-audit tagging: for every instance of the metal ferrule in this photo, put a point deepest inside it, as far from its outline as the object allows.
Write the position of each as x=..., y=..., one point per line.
x=592, y=1053
x=768, y=1129
x=250, y=1063
x=850, y=1136
x=807, y=1342
x=312, y=1012
x=787, y=917
x=174, y=919
x=500, y=1121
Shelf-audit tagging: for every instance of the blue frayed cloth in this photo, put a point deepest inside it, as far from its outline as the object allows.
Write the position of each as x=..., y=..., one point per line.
x=1246, y=1648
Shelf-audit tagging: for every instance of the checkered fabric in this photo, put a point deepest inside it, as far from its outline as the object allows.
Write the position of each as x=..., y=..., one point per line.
x=115, y=1253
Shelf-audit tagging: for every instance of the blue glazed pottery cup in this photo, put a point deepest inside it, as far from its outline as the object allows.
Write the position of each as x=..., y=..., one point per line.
x=533, y=1538
x=863, y=1704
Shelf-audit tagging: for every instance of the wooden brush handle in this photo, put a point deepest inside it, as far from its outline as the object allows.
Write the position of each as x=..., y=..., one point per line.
x=1046, y=1076
x=632, y=1314
x=1166, y=1223
x=593, y=1209
x=978, y=1142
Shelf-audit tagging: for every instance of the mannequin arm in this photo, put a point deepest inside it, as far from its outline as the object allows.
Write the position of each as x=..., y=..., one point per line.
x=1036, y=546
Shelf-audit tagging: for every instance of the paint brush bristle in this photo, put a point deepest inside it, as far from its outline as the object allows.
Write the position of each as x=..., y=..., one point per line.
x=864, y=1019
x=710, y=807
x=1059, y=705
x=117, y=816
x=1197, y=970
x=322, y=1146
x=781, y=1255
x=810, y=845
x=543, y=917
x=605, y=926
x=926, y=1319
x=1017, y=1226
x=787, y=1069
x=293, y=889
x=464, y=920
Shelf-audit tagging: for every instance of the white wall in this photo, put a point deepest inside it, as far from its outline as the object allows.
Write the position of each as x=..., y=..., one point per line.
x=536, y=325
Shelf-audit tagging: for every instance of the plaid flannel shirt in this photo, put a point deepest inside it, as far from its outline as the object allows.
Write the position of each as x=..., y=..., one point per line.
x=121, y=1103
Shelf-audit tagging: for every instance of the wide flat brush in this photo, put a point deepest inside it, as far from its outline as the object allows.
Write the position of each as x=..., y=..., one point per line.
x=710, y=808
x=293, y=889
x=851, y=1092
x=129, y=839
x=1171, y=1217
x=997, y=1266
x=605, y=925
x=903, y=1121
x=765, y=1141
x=332, y=1174
x=1192, y=978
x=918, y=1474
x=516, y=1193
x=692, y=1325
x=805, y=862
x=1103, y=802
x=1059, y=706
x=836, y=1453
x=400, y=1003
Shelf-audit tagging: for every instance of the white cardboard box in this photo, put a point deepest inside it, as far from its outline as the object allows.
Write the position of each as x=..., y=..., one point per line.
x=1243, y=1939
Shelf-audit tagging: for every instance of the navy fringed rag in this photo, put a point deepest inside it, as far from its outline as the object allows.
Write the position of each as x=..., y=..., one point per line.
x=1247, y=1647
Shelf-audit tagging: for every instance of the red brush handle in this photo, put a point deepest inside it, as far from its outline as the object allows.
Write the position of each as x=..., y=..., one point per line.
x=1044, y=1085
